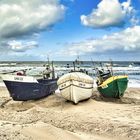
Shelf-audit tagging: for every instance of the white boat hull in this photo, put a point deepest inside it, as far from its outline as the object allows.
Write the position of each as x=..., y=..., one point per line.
x=76, y=91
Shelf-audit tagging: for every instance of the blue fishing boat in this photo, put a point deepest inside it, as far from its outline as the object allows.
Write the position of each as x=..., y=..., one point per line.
x=23, y=88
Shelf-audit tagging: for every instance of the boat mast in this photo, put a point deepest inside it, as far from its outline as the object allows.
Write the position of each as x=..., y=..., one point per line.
x=94, y=69
x=48, y=60
x=74, y=65
x=53, y=75
x=111, y=65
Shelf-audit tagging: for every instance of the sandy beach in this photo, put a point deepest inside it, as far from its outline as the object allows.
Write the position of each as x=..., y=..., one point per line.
x=54, y=118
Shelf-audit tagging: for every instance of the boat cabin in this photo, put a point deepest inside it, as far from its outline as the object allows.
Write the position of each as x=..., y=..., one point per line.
x=103, y=75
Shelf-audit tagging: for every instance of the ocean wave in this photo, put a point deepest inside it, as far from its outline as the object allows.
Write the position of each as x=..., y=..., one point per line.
x=35, y=69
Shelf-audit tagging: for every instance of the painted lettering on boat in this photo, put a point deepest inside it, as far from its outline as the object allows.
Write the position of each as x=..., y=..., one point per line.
x=81, y=84
x=63, y=85
x=18, y=78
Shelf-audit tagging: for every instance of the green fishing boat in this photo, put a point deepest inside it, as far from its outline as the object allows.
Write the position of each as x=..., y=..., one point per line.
x=113, y=86
x=108, y=84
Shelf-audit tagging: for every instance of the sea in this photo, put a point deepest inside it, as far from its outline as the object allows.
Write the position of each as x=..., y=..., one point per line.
x=35, y=68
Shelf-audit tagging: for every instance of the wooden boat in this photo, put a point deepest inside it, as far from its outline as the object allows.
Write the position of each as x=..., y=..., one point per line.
x=111, y=86
x=23, y=88
x=75, y=86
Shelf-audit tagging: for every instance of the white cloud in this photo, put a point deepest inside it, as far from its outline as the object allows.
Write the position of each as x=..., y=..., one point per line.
x=17, y=46
x=108, y=13
x=27, y=17
x=125, y=41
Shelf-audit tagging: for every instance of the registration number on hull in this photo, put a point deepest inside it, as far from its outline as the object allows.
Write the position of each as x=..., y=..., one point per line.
x=18, y=78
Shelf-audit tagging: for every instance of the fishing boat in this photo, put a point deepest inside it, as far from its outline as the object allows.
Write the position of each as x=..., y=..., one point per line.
x=23, y=88
x=75, y=86
x=110, y=85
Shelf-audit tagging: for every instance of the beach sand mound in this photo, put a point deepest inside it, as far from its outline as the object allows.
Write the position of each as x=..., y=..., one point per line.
x=54, y=118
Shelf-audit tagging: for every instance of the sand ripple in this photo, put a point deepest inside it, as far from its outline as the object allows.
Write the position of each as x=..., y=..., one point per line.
x=53, y=118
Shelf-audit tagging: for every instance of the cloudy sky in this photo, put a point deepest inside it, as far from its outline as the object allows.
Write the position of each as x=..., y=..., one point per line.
x=62, y=29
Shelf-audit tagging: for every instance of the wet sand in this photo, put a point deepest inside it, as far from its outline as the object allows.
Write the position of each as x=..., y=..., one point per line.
x=54, y=118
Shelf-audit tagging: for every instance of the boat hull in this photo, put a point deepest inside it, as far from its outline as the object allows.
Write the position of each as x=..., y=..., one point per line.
x=75, y=86
x=76, y=91
x=23, y=91
x=114, y=89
